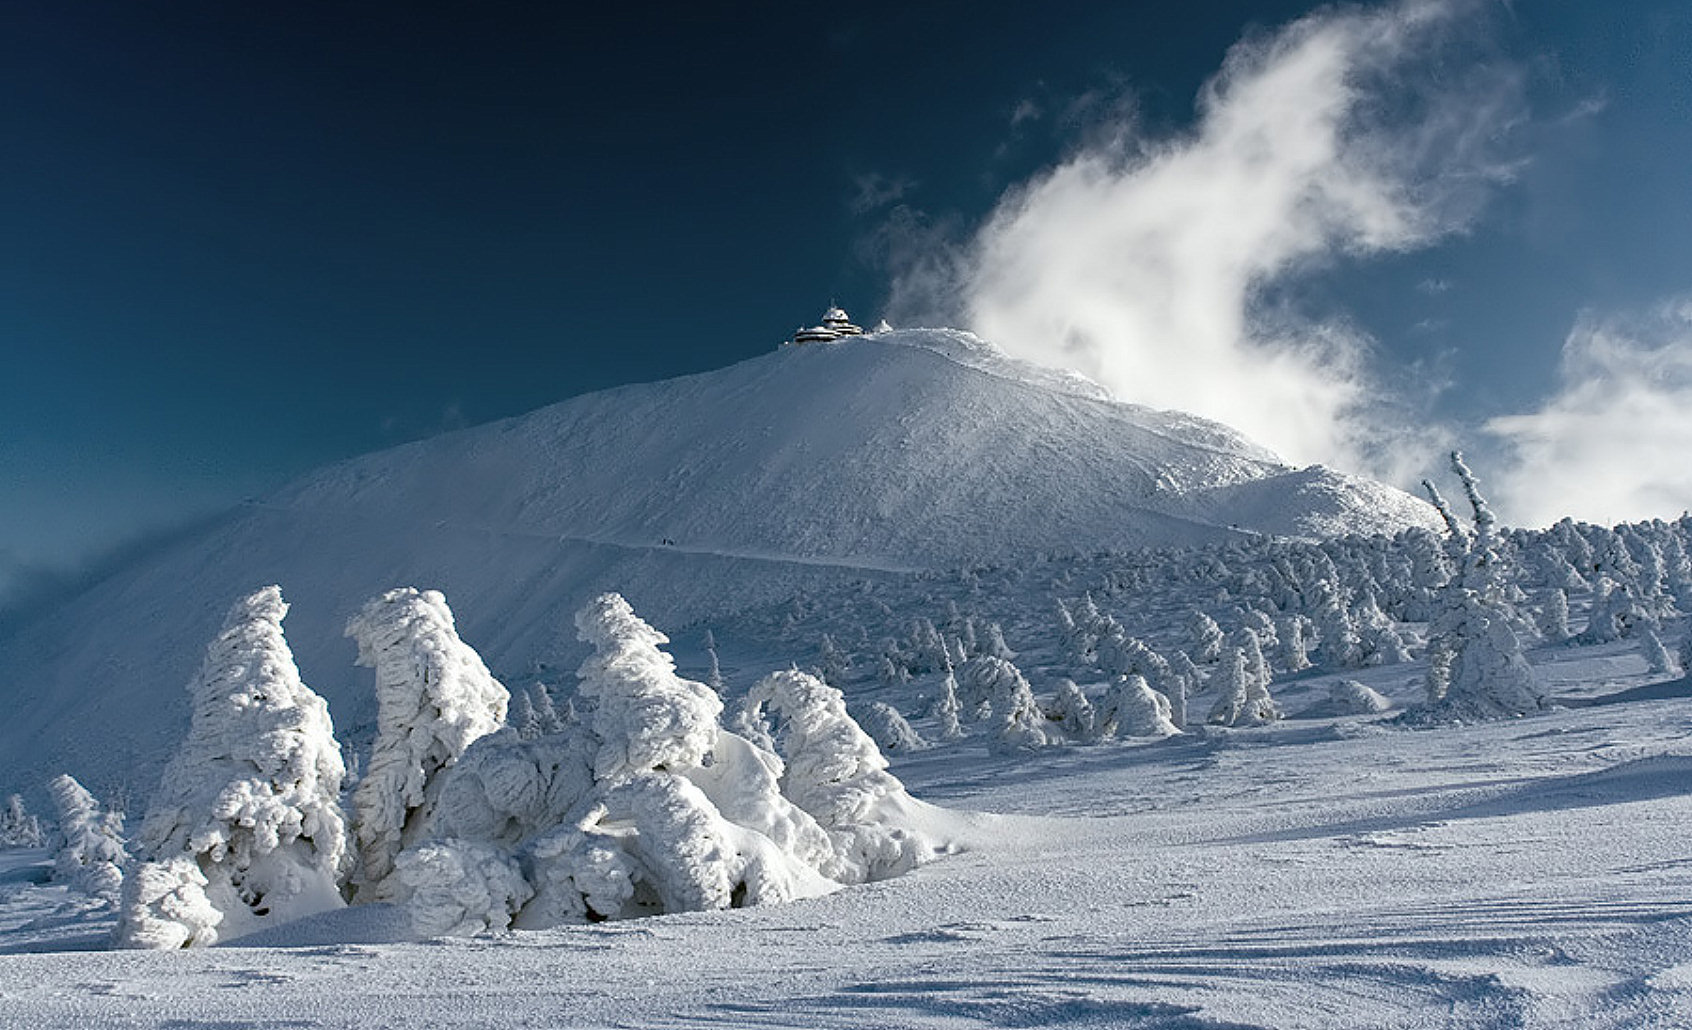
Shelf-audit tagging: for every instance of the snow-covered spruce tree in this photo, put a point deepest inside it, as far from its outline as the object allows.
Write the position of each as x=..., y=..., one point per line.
x=1337, y=644
x=1657, y=657
x=1131, y=708
x=1180, y=682
x=1017, y=721
x=18, y=828
x=1379, y=642
x=1205, y=636
x=165, y=906
x=1294, y=652
x=253, y=793
x=88, y=844
x=889, y=729
x=434, y=697
x=1070, y=709
x=835, y=774
x=1243, y=698
x=1553, y=616
x=1476, y=668
x=714, y=672
x=947, y=707
x=833, y=663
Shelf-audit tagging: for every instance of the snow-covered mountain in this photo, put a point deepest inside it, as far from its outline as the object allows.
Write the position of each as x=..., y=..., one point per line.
x=806, y=468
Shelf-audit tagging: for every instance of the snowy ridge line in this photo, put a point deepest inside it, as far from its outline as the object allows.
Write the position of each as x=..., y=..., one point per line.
x=981, y=356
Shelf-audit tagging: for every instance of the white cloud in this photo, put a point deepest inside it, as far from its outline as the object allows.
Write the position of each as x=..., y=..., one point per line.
x=1149, y=264
x=1611, y=444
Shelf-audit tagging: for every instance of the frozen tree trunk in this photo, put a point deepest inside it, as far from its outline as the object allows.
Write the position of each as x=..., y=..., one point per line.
x=434, y=698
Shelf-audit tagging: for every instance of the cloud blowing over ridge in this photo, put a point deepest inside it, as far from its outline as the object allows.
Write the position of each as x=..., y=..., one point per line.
x=1159, y=267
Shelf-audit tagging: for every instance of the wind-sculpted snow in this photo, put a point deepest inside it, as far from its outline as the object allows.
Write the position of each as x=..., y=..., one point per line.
x=89, y=841
x=650, y=806
x=434, y=698
x=252, y=797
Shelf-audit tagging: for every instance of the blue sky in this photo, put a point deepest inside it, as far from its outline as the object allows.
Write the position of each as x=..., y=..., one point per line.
x=245, y=240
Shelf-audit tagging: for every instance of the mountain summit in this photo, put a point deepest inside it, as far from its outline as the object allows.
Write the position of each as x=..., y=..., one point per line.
x=869, y=455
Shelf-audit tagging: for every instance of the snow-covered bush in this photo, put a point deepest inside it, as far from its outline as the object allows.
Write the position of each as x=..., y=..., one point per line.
x=18, y=828
x=1347, y=697
x=1131, y=708
x=253, y=794
x=835, y=774
x=434, y=697
x=890, y=730
x=459, y=888
x=1071, y=709
x=88, y=845
x=165, y=906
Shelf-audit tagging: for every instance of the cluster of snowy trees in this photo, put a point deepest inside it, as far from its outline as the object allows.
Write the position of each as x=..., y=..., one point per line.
x=634, y=800
x=1146, y=641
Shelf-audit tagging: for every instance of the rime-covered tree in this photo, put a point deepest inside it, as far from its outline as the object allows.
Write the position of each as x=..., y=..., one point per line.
x=947, y=707
x=88, y=844
x=1071, y=709
x=890, y=730
x=834, y=772
x=1017, y=721
x=1243, y=698
x=1294, y=651
x=1476, y=667
x=1131, y=708
x=252, y=796
x=434, y=697
x=18, y=828
x=1615, y=613
x=713, y=674
x=1657, y=657
x=1205, y=636
x=1552, y=616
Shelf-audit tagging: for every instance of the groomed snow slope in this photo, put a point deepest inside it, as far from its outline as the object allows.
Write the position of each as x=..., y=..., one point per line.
x=805, y=468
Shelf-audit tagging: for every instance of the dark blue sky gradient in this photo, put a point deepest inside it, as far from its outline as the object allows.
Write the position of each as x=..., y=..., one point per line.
x=242, y=240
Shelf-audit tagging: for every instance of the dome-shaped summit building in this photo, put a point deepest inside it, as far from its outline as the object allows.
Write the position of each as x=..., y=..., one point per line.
x=835, y=324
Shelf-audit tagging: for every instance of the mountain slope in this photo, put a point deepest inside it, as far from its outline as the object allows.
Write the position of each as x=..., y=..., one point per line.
x=800, y=469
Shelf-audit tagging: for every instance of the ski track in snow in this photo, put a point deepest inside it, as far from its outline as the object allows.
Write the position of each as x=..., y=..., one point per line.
x=1328, y=873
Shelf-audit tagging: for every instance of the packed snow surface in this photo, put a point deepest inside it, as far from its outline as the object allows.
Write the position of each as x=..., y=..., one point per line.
x=1313, y=873
x=808, y=468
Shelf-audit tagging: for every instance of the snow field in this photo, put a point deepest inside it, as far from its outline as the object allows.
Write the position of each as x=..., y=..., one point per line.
x=1324, y=873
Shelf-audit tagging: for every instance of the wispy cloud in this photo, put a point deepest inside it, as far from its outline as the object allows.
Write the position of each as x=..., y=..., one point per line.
x=1611, y=443
x=873, y=190
x=1152, y=265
